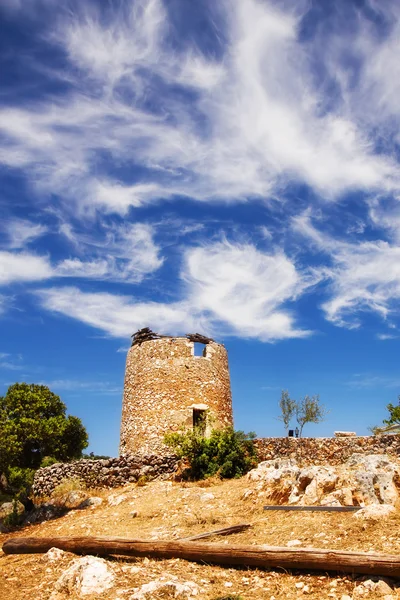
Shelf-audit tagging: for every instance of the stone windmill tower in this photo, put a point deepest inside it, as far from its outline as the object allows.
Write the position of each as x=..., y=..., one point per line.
x=172, y=382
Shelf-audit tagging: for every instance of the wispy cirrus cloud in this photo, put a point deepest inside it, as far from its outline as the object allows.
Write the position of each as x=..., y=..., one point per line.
x=232, y=289
x=363, y=276
x=20, y=232
x=256, y=120
x=126, y=254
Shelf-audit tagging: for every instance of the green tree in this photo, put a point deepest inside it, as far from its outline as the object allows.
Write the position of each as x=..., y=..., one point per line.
x=394, y=416
x=309, y=410
x=34, y=425
x=288, y=408
x=225, y=453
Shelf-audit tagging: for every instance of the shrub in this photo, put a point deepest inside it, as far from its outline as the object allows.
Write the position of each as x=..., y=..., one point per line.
x=70, y=484
x=48, y=461
x=20, y=481
x=225, y=453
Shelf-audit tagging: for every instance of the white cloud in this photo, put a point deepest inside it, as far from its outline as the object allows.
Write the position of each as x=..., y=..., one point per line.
x=256, y=120
x=21, y=232
x=243, y=289
x=364, y=276
x=119, y=316
x=130, y=251
x=18, y=267
x=229, y=289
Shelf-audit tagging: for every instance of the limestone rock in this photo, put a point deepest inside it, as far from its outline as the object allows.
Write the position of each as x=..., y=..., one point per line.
x=7, y=509
x=375, y=511
x=86, y=575
x=116, y=500
x=92, y=501
x=54, y=554
x=10, y=510
x=73, y=499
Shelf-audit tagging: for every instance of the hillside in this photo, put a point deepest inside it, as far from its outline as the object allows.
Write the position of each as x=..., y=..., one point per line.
x=166, y=510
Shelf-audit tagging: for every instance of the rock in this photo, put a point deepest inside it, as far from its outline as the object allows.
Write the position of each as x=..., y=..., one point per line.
x=375, y=512
x=168, y=589
x=11, y=514
x=54, y=554
x=345, y=597
x=134, y=514
x=345, y=433
x=73, y=499
x=310, y=494
x=86, y=575
x=330, y=500
x=8, y=508
x=206, y=497
x=386, y=488
x=247, y=493
x=93, y=501
x=364, y=491
x=44, y=512
x=382, y=588
x=116, y=500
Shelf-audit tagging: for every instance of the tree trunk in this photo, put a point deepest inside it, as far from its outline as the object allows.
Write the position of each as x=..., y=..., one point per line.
x=243, y=555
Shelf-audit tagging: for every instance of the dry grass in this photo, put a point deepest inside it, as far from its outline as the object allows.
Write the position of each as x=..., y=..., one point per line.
x=169, y=511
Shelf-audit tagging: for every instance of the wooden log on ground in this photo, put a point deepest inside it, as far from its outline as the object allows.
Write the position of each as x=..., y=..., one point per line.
x=221, y=554
x=225, y=531
x=318, y=508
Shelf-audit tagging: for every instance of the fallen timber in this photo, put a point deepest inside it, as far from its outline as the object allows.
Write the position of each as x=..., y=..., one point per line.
x=310, y=559
x=317, y=508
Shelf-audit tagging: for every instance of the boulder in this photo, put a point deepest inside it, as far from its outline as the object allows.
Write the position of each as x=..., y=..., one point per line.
x=375, y=512
x=86, y=575
x=72, y=499
x=11, y=514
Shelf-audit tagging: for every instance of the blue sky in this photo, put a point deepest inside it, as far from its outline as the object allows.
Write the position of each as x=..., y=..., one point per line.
x=230, y=168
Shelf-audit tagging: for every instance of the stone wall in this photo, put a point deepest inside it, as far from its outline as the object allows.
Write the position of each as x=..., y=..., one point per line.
x=164, y=383
x=105, y=473
x=332, y=451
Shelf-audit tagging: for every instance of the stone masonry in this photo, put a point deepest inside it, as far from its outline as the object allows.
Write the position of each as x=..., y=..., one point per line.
x=167, y=387
x=326, y=451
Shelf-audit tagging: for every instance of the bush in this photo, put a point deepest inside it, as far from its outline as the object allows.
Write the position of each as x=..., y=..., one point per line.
x=48, y=461
x=20, y=481
x=225, y=453
x=69, y=484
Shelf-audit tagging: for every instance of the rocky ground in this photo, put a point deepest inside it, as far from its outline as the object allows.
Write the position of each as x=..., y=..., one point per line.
x=166, y=510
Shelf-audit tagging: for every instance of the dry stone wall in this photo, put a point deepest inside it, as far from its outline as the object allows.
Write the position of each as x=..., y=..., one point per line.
x=115, y=472
x=104, y=473
x=164, y=383
x=331, y=451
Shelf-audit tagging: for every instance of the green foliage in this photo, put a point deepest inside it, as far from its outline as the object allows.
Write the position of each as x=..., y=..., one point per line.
x=394, y=411
x=20, y=479
x=48, y=461
x=33, y=425
x=309, y=410
x=225, y=453
x=13, y=519
x=93, y=456
x=288, y=408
